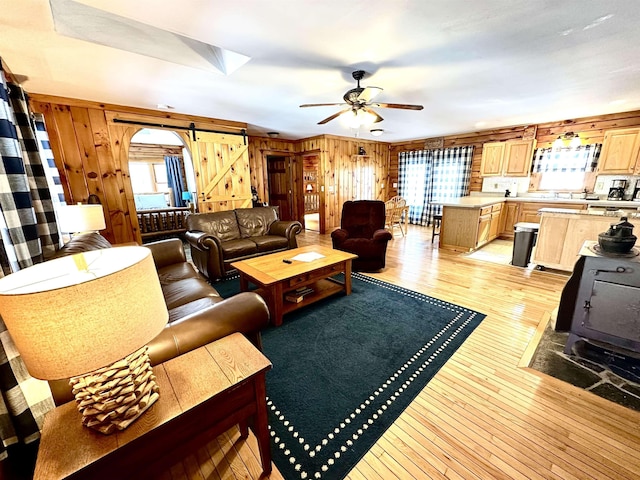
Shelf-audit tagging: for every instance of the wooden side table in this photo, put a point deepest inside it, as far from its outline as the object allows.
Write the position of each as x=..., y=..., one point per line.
x=203, y=393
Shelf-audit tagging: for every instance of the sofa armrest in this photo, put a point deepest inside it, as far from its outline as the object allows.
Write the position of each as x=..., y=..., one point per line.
x=167, y=252
x=339, y=235
x=206, y=253
x=382, y=235
x=246, y=313
x=195, y=238
x=288, y=229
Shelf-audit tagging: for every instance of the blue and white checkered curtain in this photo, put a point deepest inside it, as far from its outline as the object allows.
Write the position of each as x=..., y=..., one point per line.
x=427, y=176
x=580, y=159
x=28, y=226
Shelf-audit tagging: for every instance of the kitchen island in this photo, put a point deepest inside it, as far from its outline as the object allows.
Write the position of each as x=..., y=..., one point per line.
x=562, y=233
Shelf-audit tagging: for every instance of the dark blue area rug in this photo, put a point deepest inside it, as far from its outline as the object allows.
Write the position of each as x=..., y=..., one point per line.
x=346, y=367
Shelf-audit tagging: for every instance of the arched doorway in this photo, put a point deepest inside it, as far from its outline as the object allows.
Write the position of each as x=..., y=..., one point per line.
x=162, y=180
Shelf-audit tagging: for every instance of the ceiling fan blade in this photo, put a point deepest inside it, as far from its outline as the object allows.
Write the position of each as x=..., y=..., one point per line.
x=397, y=105
x=335, y=115
x=378, y=117
x=322, y=105
x=369, y=93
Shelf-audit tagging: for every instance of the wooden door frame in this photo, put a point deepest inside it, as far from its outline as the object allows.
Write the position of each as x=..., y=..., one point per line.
x=126, y=133
x=320, y=185
x=295, y=176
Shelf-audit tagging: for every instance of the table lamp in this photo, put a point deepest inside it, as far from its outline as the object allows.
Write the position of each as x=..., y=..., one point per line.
x=89, y=316
x=78, y=219
x=187, y=197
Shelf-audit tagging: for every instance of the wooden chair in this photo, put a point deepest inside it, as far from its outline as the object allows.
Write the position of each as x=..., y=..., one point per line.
x=394, y=209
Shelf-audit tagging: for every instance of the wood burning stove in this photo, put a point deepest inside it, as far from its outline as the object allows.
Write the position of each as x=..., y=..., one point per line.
x=602, y=299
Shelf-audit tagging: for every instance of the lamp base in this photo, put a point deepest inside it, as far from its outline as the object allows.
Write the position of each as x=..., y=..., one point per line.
x=113, y=397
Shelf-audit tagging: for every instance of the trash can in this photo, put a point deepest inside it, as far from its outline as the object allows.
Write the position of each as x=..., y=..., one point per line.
x=525, y=235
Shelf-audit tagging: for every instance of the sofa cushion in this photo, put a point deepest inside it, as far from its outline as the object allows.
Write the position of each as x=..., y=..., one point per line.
x=177, y=271
x=256, y=221
x=181, y=292
x=270, y=243
x=223, y=225
x=239, y=248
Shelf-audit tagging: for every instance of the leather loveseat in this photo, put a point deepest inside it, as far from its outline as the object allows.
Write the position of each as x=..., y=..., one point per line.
x=219, y=238
x=197, y=313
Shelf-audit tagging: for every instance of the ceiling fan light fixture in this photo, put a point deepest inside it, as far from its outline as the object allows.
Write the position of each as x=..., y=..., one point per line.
x=376, y=132
x=357, y=118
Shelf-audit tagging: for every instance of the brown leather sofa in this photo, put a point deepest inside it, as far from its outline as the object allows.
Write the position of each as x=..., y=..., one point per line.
x=197, y=313
x=219, y=238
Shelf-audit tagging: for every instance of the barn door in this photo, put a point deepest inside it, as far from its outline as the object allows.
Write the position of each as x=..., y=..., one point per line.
x=221, y=164
x=281, y=185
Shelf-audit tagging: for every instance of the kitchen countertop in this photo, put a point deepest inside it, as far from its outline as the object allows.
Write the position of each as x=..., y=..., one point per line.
x=480, y=201
x=601, y=212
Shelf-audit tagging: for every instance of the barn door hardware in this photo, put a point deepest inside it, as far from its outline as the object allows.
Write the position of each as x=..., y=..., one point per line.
x=192, y=128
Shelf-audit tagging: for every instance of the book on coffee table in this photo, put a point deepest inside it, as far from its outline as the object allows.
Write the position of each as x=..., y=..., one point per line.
x=296, y=296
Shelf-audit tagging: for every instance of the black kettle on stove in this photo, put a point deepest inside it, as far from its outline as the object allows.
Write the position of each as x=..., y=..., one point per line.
x=619, y=238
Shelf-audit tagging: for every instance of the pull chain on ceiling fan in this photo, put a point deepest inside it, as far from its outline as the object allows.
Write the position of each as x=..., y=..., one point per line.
x=359, y=101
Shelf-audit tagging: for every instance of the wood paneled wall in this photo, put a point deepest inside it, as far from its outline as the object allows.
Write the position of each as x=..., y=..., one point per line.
x=144, y=152
x=590, y=129
x=91, y=152
x=339, y=168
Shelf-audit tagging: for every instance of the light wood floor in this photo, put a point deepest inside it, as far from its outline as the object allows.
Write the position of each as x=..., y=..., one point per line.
x=482, y=416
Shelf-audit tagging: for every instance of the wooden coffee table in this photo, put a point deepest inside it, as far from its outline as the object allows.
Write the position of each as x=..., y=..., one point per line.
x=275, y=278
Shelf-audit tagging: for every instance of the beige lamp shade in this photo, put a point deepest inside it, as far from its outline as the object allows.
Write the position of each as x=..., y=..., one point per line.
x=81, y=218
x=75, y=314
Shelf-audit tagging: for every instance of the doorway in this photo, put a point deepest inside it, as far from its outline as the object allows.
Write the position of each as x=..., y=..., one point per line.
x=311, y=193
x=154, y=175
x=280, y=183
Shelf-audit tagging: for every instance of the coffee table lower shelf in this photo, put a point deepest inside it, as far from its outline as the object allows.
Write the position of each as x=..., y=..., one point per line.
x=321, y=289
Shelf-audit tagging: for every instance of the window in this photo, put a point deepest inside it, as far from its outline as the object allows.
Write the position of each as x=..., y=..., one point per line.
x=564, y=168
x=147, y=177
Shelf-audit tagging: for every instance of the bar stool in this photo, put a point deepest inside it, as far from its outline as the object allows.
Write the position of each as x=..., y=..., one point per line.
x=437, y=220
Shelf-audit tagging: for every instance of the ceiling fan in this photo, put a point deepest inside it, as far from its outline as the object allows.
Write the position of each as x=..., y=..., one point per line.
x=359, y=100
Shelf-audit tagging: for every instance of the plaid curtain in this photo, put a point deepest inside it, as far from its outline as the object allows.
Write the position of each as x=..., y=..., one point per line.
x=427, y=176
x=27, y=219
x=580, y=159
x=27, y=228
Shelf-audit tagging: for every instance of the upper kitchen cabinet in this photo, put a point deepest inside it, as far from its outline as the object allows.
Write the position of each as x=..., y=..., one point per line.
x=507, y=159
x=620, y=151
x=492, y=159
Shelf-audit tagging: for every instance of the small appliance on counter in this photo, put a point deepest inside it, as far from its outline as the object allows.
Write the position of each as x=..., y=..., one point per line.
x=636, y=192
x=616, y=192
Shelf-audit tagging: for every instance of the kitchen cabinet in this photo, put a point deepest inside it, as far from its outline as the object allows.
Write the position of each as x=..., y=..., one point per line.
x=528, y=211
x=466, y=229
x=620, y=152
x=492, y=159
x=561, y=235
x=508, y=219
x=507, y=159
